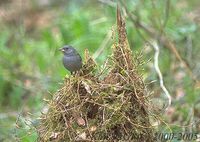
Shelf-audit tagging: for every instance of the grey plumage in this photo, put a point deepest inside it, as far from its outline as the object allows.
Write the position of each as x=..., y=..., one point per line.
x=71, y=60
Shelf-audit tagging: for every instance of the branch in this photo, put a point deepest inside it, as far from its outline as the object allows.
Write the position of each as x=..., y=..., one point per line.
x=156, y=66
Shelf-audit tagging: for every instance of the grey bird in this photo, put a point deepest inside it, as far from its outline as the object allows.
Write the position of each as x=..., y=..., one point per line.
x=72, y=60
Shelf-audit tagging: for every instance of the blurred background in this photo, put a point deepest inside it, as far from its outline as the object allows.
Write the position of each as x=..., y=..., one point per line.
x=31, y=31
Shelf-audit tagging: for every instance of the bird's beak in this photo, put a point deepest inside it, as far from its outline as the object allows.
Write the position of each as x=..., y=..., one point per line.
x=61, y=49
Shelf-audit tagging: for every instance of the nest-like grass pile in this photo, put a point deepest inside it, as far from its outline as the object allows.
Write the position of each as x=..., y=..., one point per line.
x=106, y=105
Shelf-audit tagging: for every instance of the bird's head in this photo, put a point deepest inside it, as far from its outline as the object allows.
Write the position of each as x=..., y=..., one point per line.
x=68, y=50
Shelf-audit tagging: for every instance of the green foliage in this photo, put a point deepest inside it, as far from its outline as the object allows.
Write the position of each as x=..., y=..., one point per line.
x=30, y=64
x=191, y=94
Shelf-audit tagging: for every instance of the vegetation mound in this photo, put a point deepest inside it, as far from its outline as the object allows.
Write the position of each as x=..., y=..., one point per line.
x=110, y=104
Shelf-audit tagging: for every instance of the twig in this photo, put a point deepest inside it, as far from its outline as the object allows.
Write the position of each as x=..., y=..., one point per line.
x=167, y=10
x=156, y=66
x=189, y=46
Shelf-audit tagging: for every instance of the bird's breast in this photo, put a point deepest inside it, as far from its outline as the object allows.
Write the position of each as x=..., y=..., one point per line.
x=72, y=63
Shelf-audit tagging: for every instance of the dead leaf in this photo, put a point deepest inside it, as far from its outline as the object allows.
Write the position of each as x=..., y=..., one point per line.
x=81, y=121
x=93, y=128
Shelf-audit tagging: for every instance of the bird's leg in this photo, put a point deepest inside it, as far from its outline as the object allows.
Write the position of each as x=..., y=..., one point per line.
x=73, y=73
